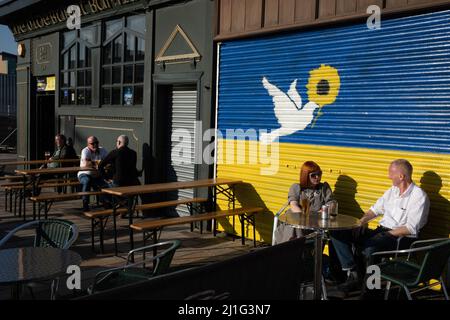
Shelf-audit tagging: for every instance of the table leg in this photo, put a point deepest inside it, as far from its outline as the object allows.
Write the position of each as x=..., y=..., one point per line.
x=33, y=192
x=22, y=199
x=318, y=265
x=130, y=219
x=114, y=205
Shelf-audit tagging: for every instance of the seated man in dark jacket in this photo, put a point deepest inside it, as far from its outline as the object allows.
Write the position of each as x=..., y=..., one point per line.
x=123, y=164
x=62, y=151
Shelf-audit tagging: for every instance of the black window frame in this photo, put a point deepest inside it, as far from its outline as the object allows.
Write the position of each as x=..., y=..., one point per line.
x=79, y=43
x=108, y=66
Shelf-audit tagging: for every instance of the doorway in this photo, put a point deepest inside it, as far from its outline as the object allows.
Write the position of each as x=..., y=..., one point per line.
x=44, y=124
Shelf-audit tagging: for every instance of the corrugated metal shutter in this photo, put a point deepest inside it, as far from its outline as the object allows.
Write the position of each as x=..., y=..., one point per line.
x=184, y=111
x=367, y=97
x=8, y=96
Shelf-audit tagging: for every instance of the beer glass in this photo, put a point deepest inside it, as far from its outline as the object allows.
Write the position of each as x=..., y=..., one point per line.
x=332, y=208
x=305, y=205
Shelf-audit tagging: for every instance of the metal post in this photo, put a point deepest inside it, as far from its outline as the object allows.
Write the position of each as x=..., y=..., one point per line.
x=318, y=265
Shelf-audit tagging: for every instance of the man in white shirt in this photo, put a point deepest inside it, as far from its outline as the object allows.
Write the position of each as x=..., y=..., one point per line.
x=90, y=157
x=405, y=211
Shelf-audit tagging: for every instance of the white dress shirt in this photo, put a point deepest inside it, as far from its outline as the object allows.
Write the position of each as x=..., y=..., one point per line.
x=408, y=210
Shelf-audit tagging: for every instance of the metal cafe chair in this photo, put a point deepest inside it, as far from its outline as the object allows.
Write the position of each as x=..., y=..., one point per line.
x=55, y=233
x=414, y=273
x=131, y=273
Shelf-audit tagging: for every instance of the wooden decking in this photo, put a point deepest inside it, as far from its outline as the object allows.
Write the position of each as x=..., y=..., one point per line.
x=196, y=248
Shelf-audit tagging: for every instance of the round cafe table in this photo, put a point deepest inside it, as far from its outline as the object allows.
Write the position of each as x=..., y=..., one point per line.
x=22, y=265
x=314, y=221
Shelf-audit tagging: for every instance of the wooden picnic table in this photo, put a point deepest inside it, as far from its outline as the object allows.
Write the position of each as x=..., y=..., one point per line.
x=132, y=193
x=32, y=173
x=31, y=162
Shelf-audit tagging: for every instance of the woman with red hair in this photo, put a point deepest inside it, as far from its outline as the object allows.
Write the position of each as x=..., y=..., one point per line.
x=310, y=188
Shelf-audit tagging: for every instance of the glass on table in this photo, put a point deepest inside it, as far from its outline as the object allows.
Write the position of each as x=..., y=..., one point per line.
x=332, y=208
x=47, y=155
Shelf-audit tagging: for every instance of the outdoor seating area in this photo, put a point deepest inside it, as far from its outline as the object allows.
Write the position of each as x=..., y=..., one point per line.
x=114, y=263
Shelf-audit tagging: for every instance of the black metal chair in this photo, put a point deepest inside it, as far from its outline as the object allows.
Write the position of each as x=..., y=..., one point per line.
x=131, y=273
x=54, y=233
x=414, y=273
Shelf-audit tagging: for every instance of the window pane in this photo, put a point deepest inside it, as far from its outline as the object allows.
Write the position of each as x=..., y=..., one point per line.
x=117, y=49
x=71, y=96
x=81, y=55
x=106, y=96
x=88, y=57
x=107, y=54
x=87, y=96
x=116, y=75
x=138, y=95
x=80, y=79
x=136, y=23
x=128, y=96
x=88, y=34
x=128, y=74
x=73, y=57
x=115, y=96
x=112, y=27
x=140, y=49
x=66, y=60
x=69, y=37
x=80, y=96
x=65, y=79
x=64, y=96
x=72, y=79
x=139, y=75
x=107, y=75
x=129, y=48
x=88, y=78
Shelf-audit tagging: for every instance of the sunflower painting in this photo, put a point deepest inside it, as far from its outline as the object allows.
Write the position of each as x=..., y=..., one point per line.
x=323, y=87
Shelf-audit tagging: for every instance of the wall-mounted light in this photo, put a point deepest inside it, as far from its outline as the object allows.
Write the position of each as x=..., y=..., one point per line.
x=21, y=50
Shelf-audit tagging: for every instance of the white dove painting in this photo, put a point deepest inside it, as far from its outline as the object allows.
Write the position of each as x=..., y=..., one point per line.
x=292, y=115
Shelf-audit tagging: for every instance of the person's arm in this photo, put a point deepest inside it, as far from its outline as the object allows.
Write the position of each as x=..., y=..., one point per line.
x=295, y=207
x=294, y=197
x=369, y=215
x=84, y=161
x=109, y=158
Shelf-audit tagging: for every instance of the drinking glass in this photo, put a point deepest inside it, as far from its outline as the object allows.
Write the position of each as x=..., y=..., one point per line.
x=333, y=208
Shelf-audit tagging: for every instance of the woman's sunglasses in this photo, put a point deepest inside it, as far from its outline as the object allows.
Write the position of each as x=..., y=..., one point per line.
x=315, y=174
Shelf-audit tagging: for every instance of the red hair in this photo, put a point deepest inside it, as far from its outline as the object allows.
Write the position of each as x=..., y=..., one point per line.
x=307, y=168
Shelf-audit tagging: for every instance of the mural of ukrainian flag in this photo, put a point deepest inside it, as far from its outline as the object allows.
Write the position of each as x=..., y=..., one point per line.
x=349, y=98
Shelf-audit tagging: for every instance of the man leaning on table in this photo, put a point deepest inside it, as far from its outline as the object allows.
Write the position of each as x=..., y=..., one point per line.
x=90, y=157
x=404, y=207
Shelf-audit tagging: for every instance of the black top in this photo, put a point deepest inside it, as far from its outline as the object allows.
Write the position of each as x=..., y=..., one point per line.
x=123, y=162
x=29, y=264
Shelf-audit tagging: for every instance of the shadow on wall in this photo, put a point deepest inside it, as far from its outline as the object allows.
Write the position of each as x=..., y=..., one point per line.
x=247, y=196
x=345, y=190
x=438, y=225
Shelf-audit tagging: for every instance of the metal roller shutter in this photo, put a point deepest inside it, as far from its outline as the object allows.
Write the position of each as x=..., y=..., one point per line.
x=349, y=98
x=184, y=111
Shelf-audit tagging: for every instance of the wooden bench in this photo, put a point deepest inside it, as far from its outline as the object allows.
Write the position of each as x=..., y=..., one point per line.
x=244, y=214
x=15, y=190
x=11, y=178
x=100, y=217
x=45, y=201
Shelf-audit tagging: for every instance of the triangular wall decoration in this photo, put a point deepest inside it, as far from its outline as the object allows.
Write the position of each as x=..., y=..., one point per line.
x=178, y=58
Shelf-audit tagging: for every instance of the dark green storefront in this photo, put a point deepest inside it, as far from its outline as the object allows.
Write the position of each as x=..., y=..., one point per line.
x=140, y=68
